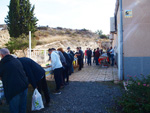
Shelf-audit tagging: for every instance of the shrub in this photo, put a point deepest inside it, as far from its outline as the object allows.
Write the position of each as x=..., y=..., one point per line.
x=137, y=97
x=20, y=43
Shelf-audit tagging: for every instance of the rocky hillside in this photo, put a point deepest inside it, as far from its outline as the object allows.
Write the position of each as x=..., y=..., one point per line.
x=4, y=37
x=61, y=37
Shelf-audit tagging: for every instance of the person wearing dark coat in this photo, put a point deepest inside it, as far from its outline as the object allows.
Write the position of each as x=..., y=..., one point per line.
x=97, y=55
x=36, y=76
x=64, y=63
x=68, y=60
x=82, y=57
x=69, y=51
x=89, y=56
x=79, y=56
x=94, y=59
x=15, y=82
x=71, y=54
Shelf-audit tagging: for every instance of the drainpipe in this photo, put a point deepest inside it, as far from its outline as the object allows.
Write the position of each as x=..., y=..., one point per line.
x=121, y=41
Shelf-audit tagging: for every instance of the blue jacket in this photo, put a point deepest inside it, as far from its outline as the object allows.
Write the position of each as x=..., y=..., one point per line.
x=13, y=77
x=33, y=70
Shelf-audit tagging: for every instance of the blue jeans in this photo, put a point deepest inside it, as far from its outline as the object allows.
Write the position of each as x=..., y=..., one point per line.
x=112, y=60
x=86, y=59
x=72, y=69
x=89, y=60
x=18, y=103
x=96, y=58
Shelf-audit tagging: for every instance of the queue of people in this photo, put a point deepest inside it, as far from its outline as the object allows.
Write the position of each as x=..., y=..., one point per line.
x=17, y=73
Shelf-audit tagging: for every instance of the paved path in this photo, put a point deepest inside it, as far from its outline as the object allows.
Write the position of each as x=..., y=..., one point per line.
x=95, y=73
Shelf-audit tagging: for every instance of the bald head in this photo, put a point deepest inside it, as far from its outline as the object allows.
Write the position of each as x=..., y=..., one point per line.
x=4, y=52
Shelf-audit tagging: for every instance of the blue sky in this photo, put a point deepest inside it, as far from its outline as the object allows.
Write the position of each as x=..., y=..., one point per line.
x=77, y=14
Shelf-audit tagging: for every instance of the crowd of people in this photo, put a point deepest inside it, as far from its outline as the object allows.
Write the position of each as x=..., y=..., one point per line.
x=62, y=65
x=96, y=55
x=17, y=73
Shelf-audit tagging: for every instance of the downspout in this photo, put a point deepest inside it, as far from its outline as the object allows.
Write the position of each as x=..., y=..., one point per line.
x=121, y=41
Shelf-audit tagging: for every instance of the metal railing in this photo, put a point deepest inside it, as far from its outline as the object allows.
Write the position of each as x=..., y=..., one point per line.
x=38, y=55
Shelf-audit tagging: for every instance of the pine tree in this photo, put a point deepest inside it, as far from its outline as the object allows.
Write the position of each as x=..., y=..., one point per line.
x=21, y=18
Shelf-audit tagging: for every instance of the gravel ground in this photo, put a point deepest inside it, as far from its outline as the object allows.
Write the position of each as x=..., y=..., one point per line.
x=84, y=97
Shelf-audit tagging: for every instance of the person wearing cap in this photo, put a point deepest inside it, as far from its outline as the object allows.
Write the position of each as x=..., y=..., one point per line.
x=69, y=51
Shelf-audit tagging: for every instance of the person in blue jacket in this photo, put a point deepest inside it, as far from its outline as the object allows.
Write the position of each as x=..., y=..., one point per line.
x=36, y=76
x=15, y=82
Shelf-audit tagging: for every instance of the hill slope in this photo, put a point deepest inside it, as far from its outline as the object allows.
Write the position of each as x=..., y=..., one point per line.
x=61, y=37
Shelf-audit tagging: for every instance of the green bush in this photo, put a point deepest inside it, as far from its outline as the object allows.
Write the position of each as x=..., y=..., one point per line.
x=20, y=43
x=137, y=97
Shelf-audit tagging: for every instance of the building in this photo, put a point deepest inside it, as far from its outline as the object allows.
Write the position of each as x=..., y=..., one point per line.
x=136, y=36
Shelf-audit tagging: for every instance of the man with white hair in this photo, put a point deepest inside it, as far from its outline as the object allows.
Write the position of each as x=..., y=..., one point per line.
x=14, y=81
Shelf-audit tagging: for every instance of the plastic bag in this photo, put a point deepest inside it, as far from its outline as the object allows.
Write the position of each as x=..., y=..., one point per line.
x=1, y=90
x=37, y=102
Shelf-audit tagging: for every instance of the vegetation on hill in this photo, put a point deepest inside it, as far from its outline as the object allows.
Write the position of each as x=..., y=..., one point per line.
x=47, y=31
x=101, y=35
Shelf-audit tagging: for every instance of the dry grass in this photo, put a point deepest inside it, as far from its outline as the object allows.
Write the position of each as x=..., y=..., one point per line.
x=51, y=39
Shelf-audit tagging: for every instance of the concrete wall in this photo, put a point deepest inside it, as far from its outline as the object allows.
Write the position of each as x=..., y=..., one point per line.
x=137, y=29
x=136, y=37
x=136, y=66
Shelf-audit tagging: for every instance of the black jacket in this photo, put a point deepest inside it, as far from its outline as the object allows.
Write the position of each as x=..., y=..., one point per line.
x=33, y=70
x=68, y=59
x=80, y=54
x=13, y=77
x=71, y=52
x=89, y=53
